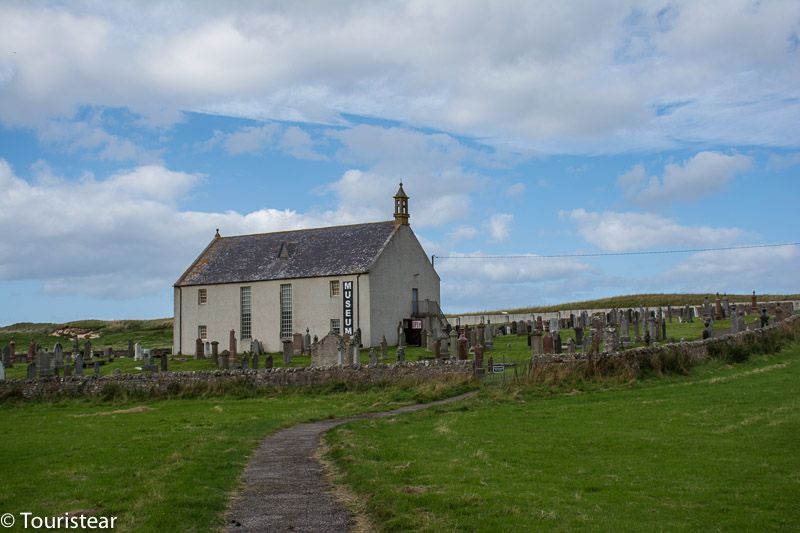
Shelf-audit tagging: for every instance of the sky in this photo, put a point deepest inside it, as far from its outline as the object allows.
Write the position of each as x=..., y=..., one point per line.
x=130, y=131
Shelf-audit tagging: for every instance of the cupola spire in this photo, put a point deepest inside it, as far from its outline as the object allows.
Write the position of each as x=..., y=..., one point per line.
x=401, y=207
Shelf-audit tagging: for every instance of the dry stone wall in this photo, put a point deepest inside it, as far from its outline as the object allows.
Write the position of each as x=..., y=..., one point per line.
x=689, y=351
x=167, y=383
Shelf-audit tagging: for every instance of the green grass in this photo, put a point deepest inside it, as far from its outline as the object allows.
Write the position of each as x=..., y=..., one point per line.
x=158, y=466
x=715, y=450
x=634, y=301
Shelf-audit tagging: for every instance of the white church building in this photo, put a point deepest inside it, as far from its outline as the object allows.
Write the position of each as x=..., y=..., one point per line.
x=269, y=286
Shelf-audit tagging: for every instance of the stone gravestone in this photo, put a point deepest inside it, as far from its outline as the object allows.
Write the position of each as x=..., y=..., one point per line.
x=326, y=351
x=138, y=354
x=215, y=350
x=2, y=371
x=708, y=330
x=488, y=340
x=571, y=346
x=199, y=348
x=595, y=349
x=12, y=350
x=356, y=344
x=342, y=349
x=164, y=362
x=579, y=335
x=779, y=313
x=255, y=347
x=287, y=352
x=268, y=362
x=43, y=363
x=401, y=354
x=224, y=360
x=373, y=356
x=97, y=368
x=232, y=347
x=663, y=329
x=547, y=341
x=87, y=349
x=651, y=328
x=437, y=348
x=479, y=370
x=245, y=362
x=79, y=365
x=537, y=343
x=7, y=362
x=31, y=351
x=384, y=348
x=255, y=361
x=130, y=349
x=307, y=342
x=58, y=358
x=297, y=344
x=31, y=370
x=401, y=334
x=625, y=329
x=423, y=339
x=764, y=318
x=462, y=346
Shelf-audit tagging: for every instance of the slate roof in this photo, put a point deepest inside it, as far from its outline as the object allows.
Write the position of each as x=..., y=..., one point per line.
x=331, y=251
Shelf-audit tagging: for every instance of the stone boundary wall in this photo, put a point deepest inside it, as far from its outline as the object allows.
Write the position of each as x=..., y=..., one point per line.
x=163, y=384
x=691, y=351
x=499, y=319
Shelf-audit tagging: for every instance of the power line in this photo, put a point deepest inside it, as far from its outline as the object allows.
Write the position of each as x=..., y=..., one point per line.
x=610, y=254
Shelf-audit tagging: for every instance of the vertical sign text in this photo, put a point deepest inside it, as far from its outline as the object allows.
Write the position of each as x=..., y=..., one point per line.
x=347, y=307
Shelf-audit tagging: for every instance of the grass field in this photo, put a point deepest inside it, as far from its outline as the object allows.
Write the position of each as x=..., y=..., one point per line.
x=716, y=450
x=115, y=333
x=157, y=466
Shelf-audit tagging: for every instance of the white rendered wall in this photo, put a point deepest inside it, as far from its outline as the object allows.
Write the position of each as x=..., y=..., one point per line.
x=312, y=307
x=403, y=265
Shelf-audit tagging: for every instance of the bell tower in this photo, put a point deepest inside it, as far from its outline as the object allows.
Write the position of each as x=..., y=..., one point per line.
x=401, y=207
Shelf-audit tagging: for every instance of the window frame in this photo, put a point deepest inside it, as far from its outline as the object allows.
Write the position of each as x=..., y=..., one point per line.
x=245, y=312
x=202, y=296
x=336, y=325
x=202, y=332
x=335, y=288
x=285, y=310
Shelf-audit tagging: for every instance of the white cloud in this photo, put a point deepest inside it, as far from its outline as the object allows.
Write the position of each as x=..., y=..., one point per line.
x=515, y=190
x=120, y=237
x=299, y=144
x=765, y=270
x=461, y=233
x=430, y=165
x=703, y=174
x=620, y=232
x=90, y=137
x=498, y=225
x=250, y=139
x=562, y=77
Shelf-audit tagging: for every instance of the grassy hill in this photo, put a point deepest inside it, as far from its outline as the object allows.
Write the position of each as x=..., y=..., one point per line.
x=637, y=300
x=155, y=333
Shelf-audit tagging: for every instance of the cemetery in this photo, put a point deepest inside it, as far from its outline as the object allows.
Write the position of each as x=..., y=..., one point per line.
x=169, y=410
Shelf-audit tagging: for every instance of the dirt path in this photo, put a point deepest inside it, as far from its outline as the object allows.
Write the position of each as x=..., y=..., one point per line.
x=285, y=488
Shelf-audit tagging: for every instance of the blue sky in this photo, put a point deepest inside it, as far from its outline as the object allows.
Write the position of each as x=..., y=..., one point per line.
x=130, y=131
